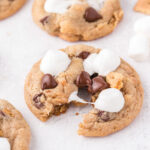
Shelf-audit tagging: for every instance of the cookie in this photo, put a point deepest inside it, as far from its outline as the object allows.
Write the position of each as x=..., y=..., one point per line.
x=14, y=127
x=9, y=7
x=84, y=76
x=143, y=6
x=77, y=20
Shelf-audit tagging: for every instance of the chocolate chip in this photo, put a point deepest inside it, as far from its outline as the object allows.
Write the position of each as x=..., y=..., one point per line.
x=48, y=82
x=98, y=84
x=104, y=116
x=37, y=101
x=94, y=75
x=44, y=20
x=84, y=94
x=2, y=113
x=83, y=80
x=92, y=15
x=84, y=55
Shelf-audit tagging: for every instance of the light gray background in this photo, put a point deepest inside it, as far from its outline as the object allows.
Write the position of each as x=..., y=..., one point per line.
x=22, y=43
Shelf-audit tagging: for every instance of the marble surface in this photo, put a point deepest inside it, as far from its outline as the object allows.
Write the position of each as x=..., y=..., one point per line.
x=22, y=43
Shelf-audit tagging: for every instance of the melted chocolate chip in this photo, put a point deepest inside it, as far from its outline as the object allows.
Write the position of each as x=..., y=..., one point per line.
x=94, y=75
x=2, y=113
x=44, y=20
x=48, y=82
x=104, y=116
x=84, y=94
x=92, y=15
x=84, y=55
x=98, y=84
x=38, y=104
x=83, y=80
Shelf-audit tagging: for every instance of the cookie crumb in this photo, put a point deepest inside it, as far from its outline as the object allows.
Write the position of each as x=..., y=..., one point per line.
x=77, y=113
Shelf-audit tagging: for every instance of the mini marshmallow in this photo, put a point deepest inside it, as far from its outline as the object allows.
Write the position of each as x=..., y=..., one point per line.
x=61, y=6
x=103, y=63
x=97, y=4
x=54, y=62
x=75, y=97
x=4, y=144
x=110, y=100
x=142, y=26
x=139, y=47
x=88, y=63
x=106, y=62
x=58, y=6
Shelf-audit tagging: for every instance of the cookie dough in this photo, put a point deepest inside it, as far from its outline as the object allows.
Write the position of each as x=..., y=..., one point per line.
x=14, y=127
x=54, y=98
x=143, y=6
x=82, y=21
x=9, y=7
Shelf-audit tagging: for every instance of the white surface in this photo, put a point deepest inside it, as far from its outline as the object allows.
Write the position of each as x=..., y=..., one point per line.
x=22, y=43
x=4, y=144
x=51, y=62
x=110, y=100
x=139, y=47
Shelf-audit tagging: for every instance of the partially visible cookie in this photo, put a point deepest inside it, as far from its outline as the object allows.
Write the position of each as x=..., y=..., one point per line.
x=77, y=20
x=143, y=6
x=14, y=127
x=9, y=7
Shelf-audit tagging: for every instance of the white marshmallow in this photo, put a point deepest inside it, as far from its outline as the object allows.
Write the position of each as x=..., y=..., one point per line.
x=106, y=62
x=88, y=63
x=4, y=144
x=58, y=6
x=103, y=63
x=110, y=100
x=61, y=6
x=54, y=62
x=74, y=97
x=97, y=4
x=142, y=26
x=139, y=47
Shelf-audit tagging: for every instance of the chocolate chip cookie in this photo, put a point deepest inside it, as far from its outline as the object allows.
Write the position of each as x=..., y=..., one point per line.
x=88, y=76
x=9, y=7
x=77, y=20
x=143, y=6
x=14, y=127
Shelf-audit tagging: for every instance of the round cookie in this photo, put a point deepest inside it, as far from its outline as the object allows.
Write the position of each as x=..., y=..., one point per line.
x=9, y=7
x=53, y=99
x=80, y=22
x=14, y=127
